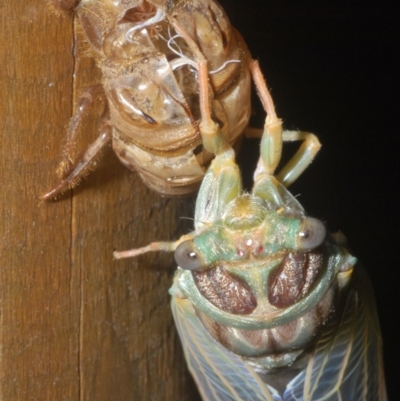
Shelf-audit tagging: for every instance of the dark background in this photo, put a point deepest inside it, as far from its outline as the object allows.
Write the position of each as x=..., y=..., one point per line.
x=333, y=70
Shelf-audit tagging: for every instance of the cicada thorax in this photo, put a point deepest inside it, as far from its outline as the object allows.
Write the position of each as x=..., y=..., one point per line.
x=151, y=84
x=266, y=279
x=266, y=348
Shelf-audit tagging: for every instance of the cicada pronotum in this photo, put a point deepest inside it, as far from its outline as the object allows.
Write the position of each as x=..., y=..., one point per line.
x=268, y=304
x=150, y=88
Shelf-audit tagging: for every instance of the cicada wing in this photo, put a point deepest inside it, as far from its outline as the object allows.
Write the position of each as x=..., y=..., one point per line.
x=220, y=375
x=347, y=362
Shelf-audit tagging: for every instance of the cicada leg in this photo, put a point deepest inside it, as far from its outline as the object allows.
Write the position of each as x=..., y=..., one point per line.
x=71, y=170
x=301, y=159
x=266, y=184
x=222, y=181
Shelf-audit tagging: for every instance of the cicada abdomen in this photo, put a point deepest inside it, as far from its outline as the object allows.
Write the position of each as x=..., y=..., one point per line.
x=268, y=304
x=150, y=88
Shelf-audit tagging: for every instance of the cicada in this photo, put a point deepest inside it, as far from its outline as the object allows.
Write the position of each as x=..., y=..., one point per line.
x=268, y=304
x=149, y=89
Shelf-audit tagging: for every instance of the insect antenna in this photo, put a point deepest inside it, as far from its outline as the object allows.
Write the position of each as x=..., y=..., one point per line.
x=153, y=247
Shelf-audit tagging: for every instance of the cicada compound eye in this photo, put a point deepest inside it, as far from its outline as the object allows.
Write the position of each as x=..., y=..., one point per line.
x=312, y=233
x=187, y=257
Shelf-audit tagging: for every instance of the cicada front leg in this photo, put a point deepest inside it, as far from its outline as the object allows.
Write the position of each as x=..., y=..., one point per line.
x=222, y=182
x=267, y=185
x=72, y=168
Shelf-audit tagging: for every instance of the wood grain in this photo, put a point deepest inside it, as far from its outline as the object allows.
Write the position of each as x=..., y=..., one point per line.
x=75, y=324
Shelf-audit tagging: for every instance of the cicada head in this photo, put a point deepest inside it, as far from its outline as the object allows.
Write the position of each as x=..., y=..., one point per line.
x=262, y=281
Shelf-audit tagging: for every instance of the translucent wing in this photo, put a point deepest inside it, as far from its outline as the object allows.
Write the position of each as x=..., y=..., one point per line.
x=347, y=362
x=220, y=375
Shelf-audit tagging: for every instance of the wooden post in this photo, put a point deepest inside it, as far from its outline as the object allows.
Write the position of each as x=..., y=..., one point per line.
x=75, y=324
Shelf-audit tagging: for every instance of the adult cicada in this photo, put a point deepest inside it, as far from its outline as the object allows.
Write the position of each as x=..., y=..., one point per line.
x=149, y=88
x=268, y=304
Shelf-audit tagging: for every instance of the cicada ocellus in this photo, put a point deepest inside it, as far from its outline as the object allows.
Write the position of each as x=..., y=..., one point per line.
x=149, y=89
x=268, y=304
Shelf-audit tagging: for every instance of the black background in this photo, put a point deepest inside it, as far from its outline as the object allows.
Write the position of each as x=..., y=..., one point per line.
x=333, y=70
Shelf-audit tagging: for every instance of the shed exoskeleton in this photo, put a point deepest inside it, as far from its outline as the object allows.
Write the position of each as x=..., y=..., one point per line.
x=149, y=88
x=268, y=304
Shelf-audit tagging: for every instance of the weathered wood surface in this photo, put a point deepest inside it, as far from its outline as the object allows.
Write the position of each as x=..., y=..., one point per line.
x=75, y=324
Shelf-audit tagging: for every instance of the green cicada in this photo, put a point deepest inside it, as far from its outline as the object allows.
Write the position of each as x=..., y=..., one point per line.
x=268, y=304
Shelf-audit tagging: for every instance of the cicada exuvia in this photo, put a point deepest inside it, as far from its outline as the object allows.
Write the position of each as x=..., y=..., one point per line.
x=149, y=88
x=268, y=304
